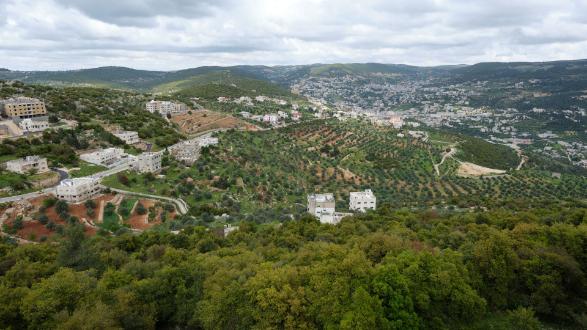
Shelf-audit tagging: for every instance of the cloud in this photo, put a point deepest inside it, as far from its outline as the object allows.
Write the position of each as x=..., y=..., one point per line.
x=175, y=34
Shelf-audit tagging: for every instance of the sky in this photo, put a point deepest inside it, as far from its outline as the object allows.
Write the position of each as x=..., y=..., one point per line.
x=179, y=34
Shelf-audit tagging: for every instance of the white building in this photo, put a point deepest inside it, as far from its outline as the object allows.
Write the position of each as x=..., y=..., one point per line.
x=228, y=228
x=396, y=121
x=105, y=157
x=129, y=137
x=208, y=141
x=333, y=218
x=165, y=107
x=296, y=115
x=319, y=204
x=31, y=125
x=362, y=201
x=148, y=162
x=77, y=190
x=271, y=118
x=27, y=164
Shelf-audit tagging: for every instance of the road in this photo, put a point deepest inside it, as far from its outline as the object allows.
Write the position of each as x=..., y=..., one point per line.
x=446, y=155
x=182, y=207
x=63, y=175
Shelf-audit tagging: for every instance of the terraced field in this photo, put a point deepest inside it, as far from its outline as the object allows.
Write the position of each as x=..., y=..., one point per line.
x=281, y=166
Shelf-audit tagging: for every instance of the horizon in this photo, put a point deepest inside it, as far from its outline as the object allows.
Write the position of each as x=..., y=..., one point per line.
x=173, y=34
x=290, y=65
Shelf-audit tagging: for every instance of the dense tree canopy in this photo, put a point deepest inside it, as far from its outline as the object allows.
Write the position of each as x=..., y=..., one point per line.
x=385, y=270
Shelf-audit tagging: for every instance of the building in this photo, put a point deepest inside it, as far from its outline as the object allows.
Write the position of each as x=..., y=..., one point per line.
x=333, y=218
x=362, y=201
x=77, y=190
x=271, y=118
x=105, y=157
x=23, y=107
x=296, y=115
x=228, y=228
x=396, y=121
x=319, y=204
x=148, y=162
x=166, y=107
x=28, y=164
x=34, y=124
x=129, y=137
x=208, y=141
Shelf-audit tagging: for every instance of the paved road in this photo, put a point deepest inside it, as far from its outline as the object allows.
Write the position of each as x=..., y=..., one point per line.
x=27, y=196
x=182, y=206
x=111, y=171
x=64, y=175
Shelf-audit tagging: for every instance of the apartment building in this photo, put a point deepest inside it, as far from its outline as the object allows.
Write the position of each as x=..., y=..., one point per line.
x=23, y=107
x=165, y=107
x=362, y=201
x=28, y=164
x=78, y=190
x=148, y=162
x=319, y=204
x=33, y=125
x=105, y=157
x=129, y=137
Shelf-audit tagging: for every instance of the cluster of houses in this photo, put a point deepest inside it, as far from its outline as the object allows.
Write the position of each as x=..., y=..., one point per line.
x=323, y=206
x=25, y=115
x=114, y=157
x=272, y=118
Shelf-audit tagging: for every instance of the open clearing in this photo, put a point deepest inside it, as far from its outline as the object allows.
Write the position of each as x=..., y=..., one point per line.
x=470, y=169
x=205, y=120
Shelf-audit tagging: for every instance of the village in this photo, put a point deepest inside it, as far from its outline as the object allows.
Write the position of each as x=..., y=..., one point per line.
x=36, y=215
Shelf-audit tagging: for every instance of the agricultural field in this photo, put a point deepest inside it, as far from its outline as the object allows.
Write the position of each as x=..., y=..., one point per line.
x=44, y=217
x=252, y=171
x=198, y=121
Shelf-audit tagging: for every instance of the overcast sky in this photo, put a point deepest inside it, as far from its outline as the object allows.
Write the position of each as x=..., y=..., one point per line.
x=176, y=34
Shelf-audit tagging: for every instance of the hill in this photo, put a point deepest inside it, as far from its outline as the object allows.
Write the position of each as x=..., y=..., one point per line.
x=163, y=81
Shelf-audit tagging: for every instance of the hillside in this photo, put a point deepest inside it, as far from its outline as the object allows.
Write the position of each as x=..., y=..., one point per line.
x=145, y=80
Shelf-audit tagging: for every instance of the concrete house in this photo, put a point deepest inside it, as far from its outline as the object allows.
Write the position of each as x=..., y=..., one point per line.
x=77, y=190
x=148, y=162
x=129, y=137
x=319, y=204
x=362, y=201
x=27, y=164
x=104, y=157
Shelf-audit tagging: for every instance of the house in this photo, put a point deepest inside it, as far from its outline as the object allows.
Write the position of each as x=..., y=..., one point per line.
x=104, y=157
x=296, y=115
x=148, y=162
x=33, y=125
x=271, y=118
x=319, y=204
x=77, y=190
x=282, y=114
x=396, y=121
x=333, y=218
x=208, y=141
x=129, y=137
x=28, y=164
x=23, y=107
x=362, y=201
x=228, y=228
x=245, y=114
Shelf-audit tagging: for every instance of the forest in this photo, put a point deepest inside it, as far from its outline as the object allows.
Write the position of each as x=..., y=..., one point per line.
x=389, y=269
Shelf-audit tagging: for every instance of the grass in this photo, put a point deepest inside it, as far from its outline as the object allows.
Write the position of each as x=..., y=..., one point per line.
x=86, y=169
x=110, y=220
x=125, y=207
